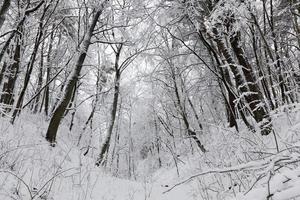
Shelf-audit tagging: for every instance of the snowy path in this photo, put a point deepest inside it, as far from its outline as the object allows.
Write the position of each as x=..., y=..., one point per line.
x=117, y=189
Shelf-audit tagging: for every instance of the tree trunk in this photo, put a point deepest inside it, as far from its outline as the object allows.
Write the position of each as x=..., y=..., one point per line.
x=249, y=89
x=12, y=70
x=72, y=101
x=157, y=140
x=116, y=148
x=94, y=103
x=254, y=98
x=72, y=106
x=18, y=27
x=106, y=143
x=192, y=134
x=231, y=111
x=40, y=81
x=61, y=108
x=29, y=68
x=3, y=11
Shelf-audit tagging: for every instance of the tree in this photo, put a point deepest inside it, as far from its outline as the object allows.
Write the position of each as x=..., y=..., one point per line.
x=216, y=28
x=31, y=63
x=3, y=10
x=61, y=108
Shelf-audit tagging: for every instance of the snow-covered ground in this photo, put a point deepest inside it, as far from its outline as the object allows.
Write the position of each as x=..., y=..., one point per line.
x=242, y=166
x=31, y=169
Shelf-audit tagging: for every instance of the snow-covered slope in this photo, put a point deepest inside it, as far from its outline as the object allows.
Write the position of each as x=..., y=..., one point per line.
x=242, y=166
x=31, y=169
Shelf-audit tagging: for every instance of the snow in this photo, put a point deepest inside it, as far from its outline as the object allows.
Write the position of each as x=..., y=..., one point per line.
x=63, y=172
x=31, y=169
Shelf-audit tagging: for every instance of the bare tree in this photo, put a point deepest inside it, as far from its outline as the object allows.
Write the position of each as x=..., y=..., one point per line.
x=61, y=108
x=3, y=10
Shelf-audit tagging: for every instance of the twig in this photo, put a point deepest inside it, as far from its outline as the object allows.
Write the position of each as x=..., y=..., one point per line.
x=20, y=179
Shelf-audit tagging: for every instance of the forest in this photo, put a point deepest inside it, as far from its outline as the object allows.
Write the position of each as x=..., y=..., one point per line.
x=149, y=99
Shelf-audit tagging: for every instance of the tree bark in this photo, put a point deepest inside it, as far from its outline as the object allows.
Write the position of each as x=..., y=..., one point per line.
x=191, y=133
x=12, y=70
x=94, y=103
x=48, y=72
x=30, y=65
x=27, y=12
x=61, y=108
x=40, y=81
x=3, y=11
x=106, y=143
x=254, y=98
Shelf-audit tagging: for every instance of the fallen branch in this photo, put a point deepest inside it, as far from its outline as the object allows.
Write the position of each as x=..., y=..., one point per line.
x=253, y=165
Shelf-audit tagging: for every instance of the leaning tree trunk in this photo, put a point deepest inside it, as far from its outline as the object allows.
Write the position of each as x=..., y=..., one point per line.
x=37, y=102
x=48, y=72
x=115, y=149
x=61, y=108
x=72, y=106
x=224, y=72
x=106, y=143
x=3, y=10
x=17, y=29
x=12, y=71
x=180, y=105
x=249, y=88
x=30, y=65
x=254, y=98
x=94, y=104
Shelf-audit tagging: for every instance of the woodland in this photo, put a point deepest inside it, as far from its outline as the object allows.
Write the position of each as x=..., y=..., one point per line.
x=149, y=99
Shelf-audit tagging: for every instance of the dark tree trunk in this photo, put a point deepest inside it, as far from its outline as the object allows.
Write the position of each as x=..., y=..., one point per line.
x=3, y=10
x=263, y=81
x=72, y=107
x=230, y=105
x=61, y=91
x=106, y=143
x=19, y=27
x=231, y=98
x=115, y=150
x=254, y=98
x=40, y=81
x=157, y=140
x=248, y=89
x=8, y=88
x=192, y=134
x=61, y=108
x=29, y=68
x=48, y=72
x=2, y=72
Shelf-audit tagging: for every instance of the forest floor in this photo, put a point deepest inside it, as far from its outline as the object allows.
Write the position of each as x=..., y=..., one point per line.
x=239, y=166
x=31, y=169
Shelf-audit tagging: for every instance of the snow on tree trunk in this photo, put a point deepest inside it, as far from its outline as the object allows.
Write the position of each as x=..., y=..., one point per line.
x=3, y=10
x=105, y=147
x=61, y=108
